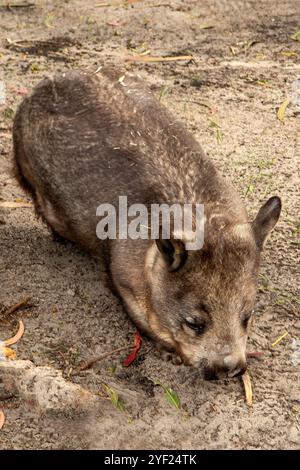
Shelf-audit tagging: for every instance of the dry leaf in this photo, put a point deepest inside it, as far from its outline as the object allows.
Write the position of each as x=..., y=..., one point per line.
x=248, y=388
x=280, y=339
x=207, y=26
x=2, y=419
x=9, y=353
x=136, y=347
x=282, y=109
x=18, y=335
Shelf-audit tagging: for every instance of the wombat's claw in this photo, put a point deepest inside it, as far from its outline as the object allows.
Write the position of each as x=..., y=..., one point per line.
x=170, y=356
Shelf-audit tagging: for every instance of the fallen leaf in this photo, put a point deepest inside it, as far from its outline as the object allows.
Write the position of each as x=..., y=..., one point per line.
x=279, y=339
x=289, y=54
x=2, y=419
x=295, y=36
x=136, y=347
x=9, y=353
x=170, y=395
x=282, y=109
x=213, y=123
x=114, y=398
x=248, y=388
x=18, y=335
x=172, y=398
x=206, y=26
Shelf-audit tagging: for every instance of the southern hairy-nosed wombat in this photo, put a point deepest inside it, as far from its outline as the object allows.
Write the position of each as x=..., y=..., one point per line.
x=84, y=139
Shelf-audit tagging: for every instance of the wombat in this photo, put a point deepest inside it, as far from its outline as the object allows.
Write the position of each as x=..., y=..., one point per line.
x=82, y=139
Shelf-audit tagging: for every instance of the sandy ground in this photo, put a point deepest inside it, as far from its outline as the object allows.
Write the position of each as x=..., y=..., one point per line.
x=244, y=66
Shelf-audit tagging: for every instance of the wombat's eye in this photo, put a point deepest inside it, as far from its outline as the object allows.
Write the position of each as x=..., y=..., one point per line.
x=245, y=320
x=199, y=328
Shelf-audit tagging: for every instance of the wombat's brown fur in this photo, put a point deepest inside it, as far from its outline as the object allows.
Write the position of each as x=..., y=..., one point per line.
x=84, y=139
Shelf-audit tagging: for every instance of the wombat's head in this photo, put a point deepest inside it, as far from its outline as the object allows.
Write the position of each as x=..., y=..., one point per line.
x=203, y=309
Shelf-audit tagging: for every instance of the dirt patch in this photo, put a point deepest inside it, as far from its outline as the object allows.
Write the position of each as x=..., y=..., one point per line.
x=244, y=67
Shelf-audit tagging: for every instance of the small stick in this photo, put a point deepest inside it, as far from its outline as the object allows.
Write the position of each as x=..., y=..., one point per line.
x=248, y=388
x=255, y=354
x=15, y=205
x=9, y=5
x=279, y=339
x=90, y=363
x=139, y=58
x=16, y=306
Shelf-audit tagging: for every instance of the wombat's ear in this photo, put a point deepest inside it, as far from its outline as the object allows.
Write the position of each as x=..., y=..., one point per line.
x=173, y=252
x=266, y=220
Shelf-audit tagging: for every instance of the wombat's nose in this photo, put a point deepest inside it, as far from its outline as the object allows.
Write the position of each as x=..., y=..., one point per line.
x=234, y=366
x=240, y=370
x=223, y=371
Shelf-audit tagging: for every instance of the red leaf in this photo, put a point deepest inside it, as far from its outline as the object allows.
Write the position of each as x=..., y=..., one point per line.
x=136, y=347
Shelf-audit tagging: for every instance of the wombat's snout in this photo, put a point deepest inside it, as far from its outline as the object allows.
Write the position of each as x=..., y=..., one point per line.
x=225, y=371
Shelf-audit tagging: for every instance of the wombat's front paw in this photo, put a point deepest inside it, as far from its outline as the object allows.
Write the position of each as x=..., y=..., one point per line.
x=170, y=356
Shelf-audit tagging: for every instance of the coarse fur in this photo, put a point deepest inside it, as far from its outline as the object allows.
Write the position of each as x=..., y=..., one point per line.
x=85, y=139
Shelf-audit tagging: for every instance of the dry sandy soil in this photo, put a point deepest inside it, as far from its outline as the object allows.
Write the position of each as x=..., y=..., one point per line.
x=244, y=66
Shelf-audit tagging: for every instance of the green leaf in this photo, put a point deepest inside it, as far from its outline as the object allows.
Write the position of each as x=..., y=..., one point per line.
x=172, y=398
x=219, y=135
x=170, y=395
x=114, y=398
x=163, y=92
x=213, y=123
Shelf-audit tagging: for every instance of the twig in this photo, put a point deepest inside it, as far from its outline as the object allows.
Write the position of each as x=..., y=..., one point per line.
x=90, y=363
x=9, y=5
x=117, y=4
x=255, y=354
x=14, y=204
x=279, y=339
x=139, y=58
x=199, y=103
x=15, y=307
x=248, y=388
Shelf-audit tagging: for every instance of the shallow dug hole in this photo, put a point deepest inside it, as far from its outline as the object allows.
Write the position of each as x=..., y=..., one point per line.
x=240, y=76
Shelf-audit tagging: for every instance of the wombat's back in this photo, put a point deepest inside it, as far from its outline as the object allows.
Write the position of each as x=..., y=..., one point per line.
x=85, y=139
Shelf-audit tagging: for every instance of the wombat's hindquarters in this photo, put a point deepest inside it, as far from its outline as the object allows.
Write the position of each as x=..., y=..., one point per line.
x=20, y=161
x=22, y=170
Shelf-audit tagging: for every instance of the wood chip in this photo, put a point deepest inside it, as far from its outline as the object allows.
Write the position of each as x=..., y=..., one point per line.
x=248, y=388
x=2, y=419
x=18, y=335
